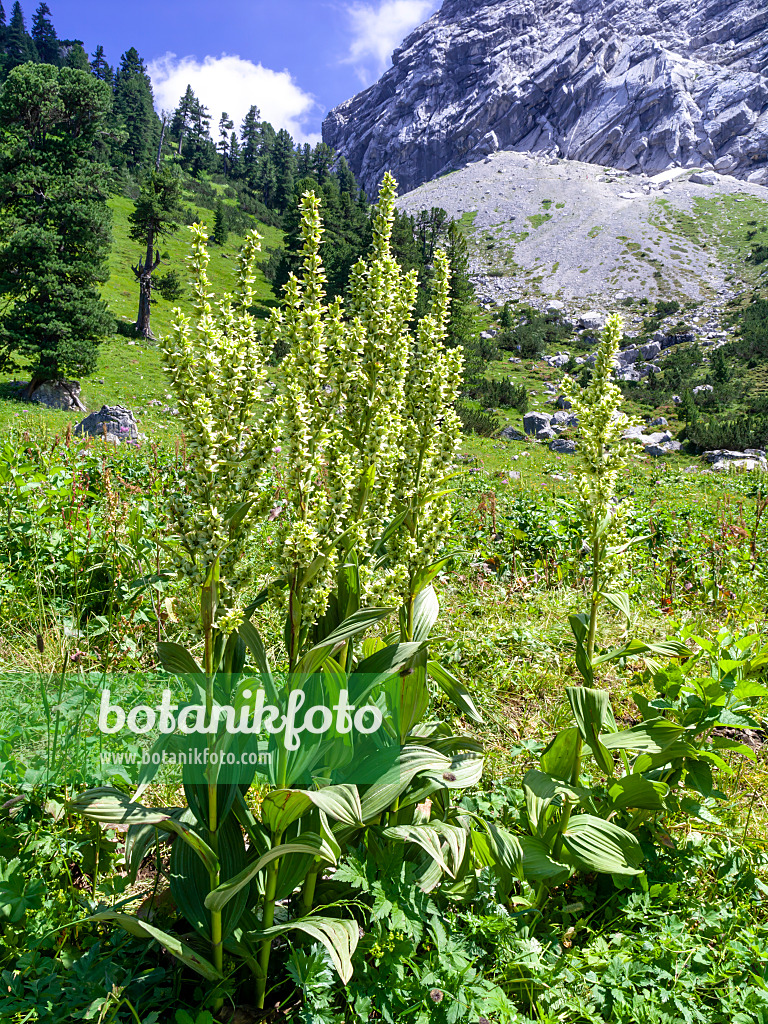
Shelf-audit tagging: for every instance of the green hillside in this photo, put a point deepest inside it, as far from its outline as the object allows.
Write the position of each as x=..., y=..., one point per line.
x=129, y=371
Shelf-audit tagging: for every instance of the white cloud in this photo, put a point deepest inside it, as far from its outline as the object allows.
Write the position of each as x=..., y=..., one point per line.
x=233, y=84
x=377, y=28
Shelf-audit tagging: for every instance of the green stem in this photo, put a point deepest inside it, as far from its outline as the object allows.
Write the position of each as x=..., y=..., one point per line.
x=308, y=891
x=594, y=601
x=267, y=920
x=214, y=877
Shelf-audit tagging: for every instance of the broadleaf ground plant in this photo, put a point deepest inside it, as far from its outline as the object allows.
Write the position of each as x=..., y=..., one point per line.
x=365, y=420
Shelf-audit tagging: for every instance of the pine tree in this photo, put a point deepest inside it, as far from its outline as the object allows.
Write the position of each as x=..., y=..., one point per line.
x=56, y=238
x=251, y=135
x=77, y=58
x=100, y=67
x=134, y=108
x=154, y=217
x=688, y=409
x=44, y=36
x=220, y=228
x=3, y=35
x=19, y=47
x=226, y=124
x=235, y=155
x=285, y=169
x=182, y=117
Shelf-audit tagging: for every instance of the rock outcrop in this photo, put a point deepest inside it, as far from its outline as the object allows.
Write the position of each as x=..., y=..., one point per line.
x=641, y=85
x=114, y=423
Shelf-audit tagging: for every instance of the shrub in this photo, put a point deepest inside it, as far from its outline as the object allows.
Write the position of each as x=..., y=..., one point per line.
x=475, y=421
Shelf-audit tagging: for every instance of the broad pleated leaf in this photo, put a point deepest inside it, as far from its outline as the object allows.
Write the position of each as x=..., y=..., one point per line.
x=339, y=936
x=593, y=844
x=307, y=843
x=174, y=945
x=455, y=690
x=177, y=660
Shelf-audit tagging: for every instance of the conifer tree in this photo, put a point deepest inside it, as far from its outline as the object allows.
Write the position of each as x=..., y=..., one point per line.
x=285, y=169
x=235, y=155
x=44, y=37
x=134, y=107
x=250, y=133
x=77, y=58
x=19, y=47
x=226, y=124
x=183, y=117
x=220, y=228
x=154, y=217
x=56, y=238
x=101, y=68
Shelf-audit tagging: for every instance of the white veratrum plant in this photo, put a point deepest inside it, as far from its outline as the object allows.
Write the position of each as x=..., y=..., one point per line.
x=216, y=362
x=602, y=455
x=368, y=436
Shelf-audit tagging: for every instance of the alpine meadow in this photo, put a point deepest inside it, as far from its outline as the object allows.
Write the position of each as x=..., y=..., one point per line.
x=384, y=567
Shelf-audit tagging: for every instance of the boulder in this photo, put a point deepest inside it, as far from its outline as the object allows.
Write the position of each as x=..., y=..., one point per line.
x=533, y=422
x=721, y=459
x=112, y=422
x=562, y=402
x=665, y=448
x=702, y=389
x=650, y=351
x=592, y=320
x=677, y=400
x=546, y=434
x=511, y=434
x=704, y=178
x=562, y=447
x=59, y=394
x=658, y=422
x=557, y=361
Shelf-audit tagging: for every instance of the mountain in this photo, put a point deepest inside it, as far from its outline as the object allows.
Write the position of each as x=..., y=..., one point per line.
x=639, y=85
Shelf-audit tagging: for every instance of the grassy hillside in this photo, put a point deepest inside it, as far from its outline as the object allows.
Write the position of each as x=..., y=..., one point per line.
x=129, y=371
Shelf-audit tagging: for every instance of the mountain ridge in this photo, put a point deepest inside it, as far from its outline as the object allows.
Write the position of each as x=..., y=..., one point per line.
x=637, y=86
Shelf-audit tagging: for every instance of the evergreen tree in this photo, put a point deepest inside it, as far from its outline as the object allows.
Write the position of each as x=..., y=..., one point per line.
x=77, y=58
x=154, y=217
x=226, y=124
x=183, y=117
x=688, y=408
x=235, y=155
x=19, y=47
x=719, y=370
x=100, y=67
x=285, y=169
x=56, y=237
x=220, y=228
x=321, y=162
x=135, y=110
x=250, y=133
x=346, y=178
x=44, y=36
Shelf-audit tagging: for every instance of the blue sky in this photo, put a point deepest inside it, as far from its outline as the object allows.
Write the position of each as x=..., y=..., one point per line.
x=296, y=59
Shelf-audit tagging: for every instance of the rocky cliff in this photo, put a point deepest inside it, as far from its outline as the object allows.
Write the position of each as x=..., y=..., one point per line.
x=641, y=85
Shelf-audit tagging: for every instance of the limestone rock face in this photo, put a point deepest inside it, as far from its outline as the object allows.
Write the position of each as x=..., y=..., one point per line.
x=641, y=85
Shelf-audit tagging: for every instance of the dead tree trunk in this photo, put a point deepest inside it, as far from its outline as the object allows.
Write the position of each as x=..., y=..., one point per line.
x=143, y=270
x=143, y=273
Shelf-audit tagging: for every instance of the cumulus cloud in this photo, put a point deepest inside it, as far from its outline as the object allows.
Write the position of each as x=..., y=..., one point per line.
x=377, y=28
x=233, y=84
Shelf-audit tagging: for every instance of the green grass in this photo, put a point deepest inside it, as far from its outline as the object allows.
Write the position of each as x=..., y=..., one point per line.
x=129, y=370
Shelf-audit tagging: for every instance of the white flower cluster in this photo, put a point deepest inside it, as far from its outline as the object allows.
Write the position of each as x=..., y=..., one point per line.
x=602, y=455
x=216, y=363
x=368, y=418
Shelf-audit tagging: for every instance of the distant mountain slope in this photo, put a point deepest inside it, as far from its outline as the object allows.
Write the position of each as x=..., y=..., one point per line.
x=569, y=230
x=642, y=85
